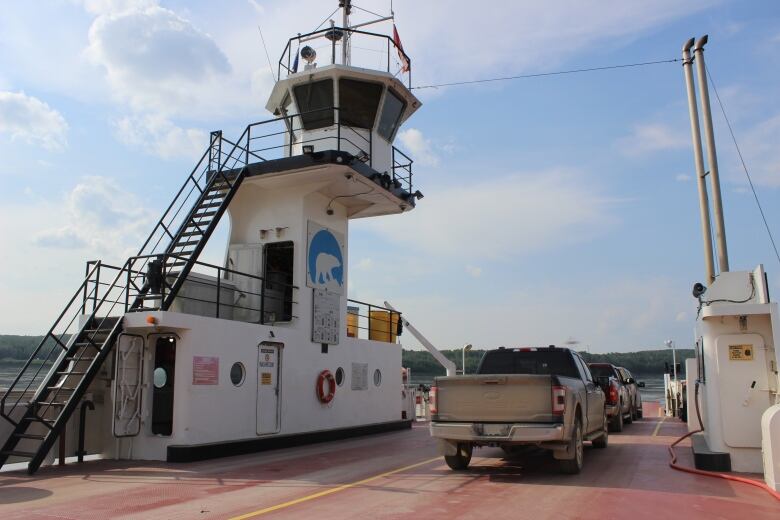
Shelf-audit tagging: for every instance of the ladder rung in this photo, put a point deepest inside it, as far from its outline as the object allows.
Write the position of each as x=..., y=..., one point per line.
x=190, y=243
x=29, y=436
x=14, y=453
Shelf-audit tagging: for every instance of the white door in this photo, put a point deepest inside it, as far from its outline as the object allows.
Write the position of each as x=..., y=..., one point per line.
x=128, y=389
x=269, y=360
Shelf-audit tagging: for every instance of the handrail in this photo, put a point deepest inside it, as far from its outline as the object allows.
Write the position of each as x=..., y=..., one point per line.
x=322, y=33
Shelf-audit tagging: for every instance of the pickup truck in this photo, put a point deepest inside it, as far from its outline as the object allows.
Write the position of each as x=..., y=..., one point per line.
x=544, y=397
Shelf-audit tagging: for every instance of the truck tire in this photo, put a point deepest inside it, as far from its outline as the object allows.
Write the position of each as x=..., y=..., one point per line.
x=630, y=417
x=616, y=424
x=573, y=465
x=639, y=412
x=602, y=441
x=460, y=460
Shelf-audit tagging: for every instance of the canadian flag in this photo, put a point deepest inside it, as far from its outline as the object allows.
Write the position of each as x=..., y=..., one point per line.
x=400, y=48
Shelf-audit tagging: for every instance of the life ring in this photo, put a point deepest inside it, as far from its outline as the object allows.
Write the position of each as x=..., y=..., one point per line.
x=324, y=376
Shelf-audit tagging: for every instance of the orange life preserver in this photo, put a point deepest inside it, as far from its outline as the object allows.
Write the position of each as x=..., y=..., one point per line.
x=324, y=376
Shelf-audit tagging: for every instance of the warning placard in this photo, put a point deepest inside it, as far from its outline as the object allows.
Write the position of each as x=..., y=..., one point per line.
x=740, y=352
x=265, y=378
x=205, y=370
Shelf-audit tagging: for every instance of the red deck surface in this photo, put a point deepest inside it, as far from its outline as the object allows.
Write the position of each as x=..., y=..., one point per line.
x=630, y=479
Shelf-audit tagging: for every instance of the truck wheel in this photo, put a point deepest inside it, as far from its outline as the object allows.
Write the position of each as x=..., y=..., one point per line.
x=603, y=440
x=460, y=460
x=630, y=417
x=639, y=411
x=573, y=465
x=616, y=424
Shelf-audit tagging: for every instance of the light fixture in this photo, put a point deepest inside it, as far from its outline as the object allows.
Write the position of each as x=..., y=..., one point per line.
x=362, y=156
x=418, y=195
x=308, y=54
x=335, y=34
x=308, y=149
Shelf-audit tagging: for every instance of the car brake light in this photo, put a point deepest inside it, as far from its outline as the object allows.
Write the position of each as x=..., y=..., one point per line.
x=432, y=400
x=558, y=400
x=613, y=393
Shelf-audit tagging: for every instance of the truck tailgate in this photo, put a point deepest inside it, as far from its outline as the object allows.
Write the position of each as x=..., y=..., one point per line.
x=494, y=398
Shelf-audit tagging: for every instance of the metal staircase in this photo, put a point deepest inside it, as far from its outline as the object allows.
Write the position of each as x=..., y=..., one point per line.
x=51, y=384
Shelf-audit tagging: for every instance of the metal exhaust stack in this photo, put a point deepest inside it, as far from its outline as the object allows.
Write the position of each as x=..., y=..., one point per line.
x=712, y=158
x=704, y=205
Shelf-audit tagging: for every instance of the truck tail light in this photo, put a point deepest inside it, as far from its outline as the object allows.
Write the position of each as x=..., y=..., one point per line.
x=558, y=400
x=432, y=400
x=612, y=397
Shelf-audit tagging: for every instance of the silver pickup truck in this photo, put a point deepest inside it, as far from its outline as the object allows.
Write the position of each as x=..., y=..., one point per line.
x=520, y=396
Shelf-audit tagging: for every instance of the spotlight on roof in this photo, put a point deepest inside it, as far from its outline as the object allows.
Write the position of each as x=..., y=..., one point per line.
x=308, y=54
x=308, y=149
x=418, y=195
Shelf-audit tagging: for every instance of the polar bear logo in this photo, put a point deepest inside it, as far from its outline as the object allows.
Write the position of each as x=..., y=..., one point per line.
x=326, y=262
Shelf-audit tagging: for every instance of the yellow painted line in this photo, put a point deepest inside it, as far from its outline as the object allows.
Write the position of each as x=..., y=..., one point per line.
x=330, y=491
x=658, y=427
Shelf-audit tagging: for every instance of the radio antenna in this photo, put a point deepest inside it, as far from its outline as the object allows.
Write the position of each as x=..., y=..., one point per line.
x=270, y=67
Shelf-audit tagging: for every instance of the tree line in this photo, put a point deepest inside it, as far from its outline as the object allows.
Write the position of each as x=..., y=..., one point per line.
x=648, y=362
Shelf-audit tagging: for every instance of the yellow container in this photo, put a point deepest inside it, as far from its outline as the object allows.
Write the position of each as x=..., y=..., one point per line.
x=382, y=327
x=352, y=321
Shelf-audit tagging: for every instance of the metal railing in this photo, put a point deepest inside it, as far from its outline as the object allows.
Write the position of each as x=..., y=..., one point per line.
x=374, y=322
x=381, y=53
x=209, y=290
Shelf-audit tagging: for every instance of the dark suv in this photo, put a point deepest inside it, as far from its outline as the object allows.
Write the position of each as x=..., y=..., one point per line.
x=633, y=389
x=618, y=396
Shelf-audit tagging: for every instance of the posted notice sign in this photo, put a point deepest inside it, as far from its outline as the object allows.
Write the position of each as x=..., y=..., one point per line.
x=205, y=370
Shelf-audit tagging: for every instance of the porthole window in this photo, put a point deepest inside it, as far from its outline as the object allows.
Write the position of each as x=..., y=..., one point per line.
x=160, y=377
x=339, y=376
x=377, y=377
x=237, y=374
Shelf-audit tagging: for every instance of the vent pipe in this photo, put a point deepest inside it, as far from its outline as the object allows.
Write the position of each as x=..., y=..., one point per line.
x=704, y=205
x=712, y=158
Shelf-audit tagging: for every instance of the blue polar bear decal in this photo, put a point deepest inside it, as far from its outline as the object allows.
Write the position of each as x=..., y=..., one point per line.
x=325, y=261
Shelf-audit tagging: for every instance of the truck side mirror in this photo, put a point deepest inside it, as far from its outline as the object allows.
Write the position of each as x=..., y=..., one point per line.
x=641, y=384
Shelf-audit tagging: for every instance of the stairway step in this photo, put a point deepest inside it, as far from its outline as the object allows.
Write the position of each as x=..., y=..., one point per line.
x=66, y=373
x=78, y=359
x=61, y=388
x=52, y=403
x=29, y=436
x=192, y=233
x=203, y=215
x=190, y=243
x=38, y=419
x=14, y=453
x=210, y=205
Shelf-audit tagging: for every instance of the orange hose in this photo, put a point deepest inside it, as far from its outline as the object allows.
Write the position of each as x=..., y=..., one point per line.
x=725, y=476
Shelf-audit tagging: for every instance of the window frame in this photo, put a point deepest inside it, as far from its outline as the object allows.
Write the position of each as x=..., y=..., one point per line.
x=389, y=91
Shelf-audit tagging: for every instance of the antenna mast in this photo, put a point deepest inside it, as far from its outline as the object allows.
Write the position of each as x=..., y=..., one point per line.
x=346, y=6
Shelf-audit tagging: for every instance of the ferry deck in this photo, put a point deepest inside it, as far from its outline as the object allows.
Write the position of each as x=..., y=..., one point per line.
x=392, y=475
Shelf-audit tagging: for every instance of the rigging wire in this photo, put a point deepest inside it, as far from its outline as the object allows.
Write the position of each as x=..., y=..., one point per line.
x=744, y=166
x=554, y=73
x=326, y=19
x=367, y=11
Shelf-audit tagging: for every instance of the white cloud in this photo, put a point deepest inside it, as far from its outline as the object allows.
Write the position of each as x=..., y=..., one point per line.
x=761, y=153
x=156, y=60
x=653, y=137
x=683, y=177
x=31, y=120
x=158, y=135
x=474, y=272
x=365, y=264
x=97, y=216
x=501, y=217
x=419, y=147
x=115, y=6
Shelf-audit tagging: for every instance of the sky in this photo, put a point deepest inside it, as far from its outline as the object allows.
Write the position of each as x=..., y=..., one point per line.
x=559, y=208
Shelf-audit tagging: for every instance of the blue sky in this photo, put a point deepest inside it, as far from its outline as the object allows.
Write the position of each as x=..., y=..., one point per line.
x=555, y=208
